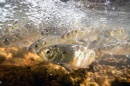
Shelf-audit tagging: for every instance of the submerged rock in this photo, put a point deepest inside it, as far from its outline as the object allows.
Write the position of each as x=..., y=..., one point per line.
x=2, y=58
x=31, y=70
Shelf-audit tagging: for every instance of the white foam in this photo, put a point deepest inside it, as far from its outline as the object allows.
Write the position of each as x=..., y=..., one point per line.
x=2, y=1
x=55, y=13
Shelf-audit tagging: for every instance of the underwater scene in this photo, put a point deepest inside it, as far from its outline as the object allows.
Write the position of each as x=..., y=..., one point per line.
x=64, y=42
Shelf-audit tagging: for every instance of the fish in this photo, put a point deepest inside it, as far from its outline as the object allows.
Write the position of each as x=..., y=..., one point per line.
x=5, y=27
x=22, y=37
x=111, y=35
x=108, y=39
x=17, y=24
x=47, y=41
x=85, y=35
x=69, y=55
x=52, y=31
x=14, y=24
x=118, y=33
x=116, y=48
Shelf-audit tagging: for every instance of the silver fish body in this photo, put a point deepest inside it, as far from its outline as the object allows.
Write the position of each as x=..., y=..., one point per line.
x=113, y=34
x=10, y=25
x=45, y=42
x=85, y=35
x=109, y=36
x=52, y=31
x=75, y=55
x=116, y=48
x=118, y=33
x=23, y=36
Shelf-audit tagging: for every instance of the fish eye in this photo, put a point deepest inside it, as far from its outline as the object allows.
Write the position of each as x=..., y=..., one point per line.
x=63, y=36
x=55, y=46
x=47, y=31
x=15, y=22
x=104, y=47
x=68, y=34
x=6, y=41
x=48, y=52
x=44, y=43
x=74, y=31
x=36, y=46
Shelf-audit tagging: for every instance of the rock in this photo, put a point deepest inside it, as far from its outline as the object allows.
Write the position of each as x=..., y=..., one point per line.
x=102, y=81
x=16, y=76
x=19, y=67
x=120, y=81
x=2, y=58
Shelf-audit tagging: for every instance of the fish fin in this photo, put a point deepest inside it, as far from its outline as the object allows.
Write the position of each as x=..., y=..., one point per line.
x=67, y=67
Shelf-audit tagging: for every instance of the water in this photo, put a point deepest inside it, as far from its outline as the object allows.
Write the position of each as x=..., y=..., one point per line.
x=66, y=14
x=63, y=15
x=22, y=20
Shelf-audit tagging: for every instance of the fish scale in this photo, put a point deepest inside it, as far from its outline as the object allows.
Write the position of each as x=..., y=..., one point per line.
x=48, y=41
x=76, y=56
x=110, y=35
x=76, y=36
x=52, y=31
x=116, y=48
x=86, y=34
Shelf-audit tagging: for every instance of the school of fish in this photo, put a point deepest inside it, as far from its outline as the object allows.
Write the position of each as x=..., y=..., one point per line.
x=75, y=48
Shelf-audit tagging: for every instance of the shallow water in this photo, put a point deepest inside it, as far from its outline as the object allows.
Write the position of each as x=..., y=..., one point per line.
x=21, y=23
x=65, y=14
x=62, y=15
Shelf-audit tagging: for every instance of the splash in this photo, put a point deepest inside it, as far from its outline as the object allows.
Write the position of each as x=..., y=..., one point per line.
x=68, y=15
x=55, y=13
